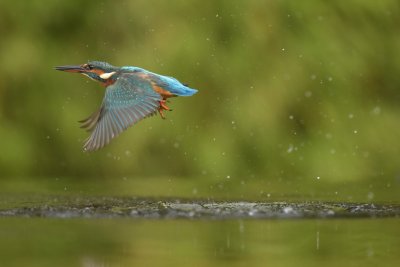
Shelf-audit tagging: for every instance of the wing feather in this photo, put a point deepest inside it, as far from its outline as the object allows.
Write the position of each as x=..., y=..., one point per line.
x=90, y=121
x=130, y=99
x=122, y=118
x=107, y=132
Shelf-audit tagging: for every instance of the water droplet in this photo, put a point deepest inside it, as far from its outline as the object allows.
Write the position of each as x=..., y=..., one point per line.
x=376, y=110
x=252, y=212
x=241, y=227
x=288, y=210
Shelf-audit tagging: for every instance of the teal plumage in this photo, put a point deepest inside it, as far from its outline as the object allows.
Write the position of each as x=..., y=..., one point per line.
x=132, y=94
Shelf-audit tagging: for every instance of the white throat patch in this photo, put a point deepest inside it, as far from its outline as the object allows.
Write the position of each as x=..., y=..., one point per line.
x=107, y=75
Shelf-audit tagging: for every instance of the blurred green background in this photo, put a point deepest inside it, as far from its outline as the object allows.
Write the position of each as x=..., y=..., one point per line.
x=298, y=101
x=294, y=96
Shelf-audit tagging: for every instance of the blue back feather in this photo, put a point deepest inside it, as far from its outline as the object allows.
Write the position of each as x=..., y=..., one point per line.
x=166, y=82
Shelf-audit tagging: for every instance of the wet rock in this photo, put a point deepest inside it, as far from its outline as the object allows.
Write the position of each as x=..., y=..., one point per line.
x=108, y=207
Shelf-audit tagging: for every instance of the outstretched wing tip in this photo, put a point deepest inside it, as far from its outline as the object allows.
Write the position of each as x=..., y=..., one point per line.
x=90, y=145
x=89, y=150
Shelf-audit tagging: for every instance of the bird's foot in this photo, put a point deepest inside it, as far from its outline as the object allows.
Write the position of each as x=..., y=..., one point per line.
x=162, y=108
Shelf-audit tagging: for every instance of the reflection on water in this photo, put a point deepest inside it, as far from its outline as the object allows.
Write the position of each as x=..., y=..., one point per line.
x=118, y=242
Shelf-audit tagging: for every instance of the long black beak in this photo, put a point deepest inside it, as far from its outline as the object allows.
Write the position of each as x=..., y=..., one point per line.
x=70, y=68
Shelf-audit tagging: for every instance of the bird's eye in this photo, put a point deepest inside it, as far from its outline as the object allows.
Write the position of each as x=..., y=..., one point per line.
x=87, y=66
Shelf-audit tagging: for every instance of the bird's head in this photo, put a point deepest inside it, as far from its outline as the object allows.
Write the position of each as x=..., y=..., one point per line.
x=96, y=70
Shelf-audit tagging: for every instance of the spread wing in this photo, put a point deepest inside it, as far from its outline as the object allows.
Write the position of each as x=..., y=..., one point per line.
x=130, y=99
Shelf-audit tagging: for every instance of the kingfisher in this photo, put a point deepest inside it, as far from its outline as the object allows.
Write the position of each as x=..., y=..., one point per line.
x=132, y=94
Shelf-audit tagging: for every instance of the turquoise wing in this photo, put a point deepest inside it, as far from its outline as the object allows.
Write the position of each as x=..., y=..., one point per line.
x=127, y=101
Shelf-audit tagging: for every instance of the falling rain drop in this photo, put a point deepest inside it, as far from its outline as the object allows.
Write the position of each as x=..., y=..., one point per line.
x=376, y=110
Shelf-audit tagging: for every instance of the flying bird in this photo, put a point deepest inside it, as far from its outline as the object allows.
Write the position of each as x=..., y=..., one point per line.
x=132, y=94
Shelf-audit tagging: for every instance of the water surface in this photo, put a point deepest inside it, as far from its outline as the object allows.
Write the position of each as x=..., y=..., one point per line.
x=127, y=242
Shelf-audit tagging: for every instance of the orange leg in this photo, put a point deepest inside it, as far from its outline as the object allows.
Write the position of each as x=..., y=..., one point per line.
x=162, y=108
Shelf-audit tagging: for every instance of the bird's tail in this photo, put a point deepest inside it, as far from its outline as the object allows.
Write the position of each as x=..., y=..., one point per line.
x=187, y=91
